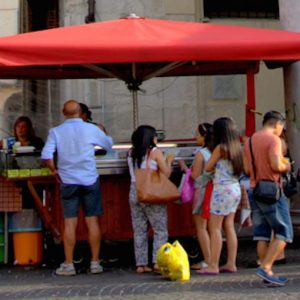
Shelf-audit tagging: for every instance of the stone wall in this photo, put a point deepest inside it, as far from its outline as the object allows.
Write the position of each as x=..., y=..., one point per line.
x=10, y=90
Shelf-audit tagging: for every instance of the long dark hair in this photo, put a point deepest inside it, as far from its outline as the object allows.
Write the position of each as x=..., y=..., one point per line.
x=142, y=141
x=206, y=130
x=226, y=135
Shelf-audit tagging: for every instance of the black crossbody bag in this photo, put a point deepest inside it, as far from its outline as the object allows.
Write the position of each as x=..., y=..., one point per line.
x=265, y=191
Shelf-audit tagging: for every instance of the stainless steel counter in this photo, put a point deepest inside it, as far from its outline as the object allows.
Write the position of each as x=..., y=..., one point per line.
x=115, y=162
x=111, y=166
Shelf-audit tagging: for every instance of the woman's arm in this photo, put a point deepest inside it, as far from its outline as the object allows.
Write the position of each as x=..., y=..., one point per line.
x=164, y=165
x=216, y=155
x=197, y=166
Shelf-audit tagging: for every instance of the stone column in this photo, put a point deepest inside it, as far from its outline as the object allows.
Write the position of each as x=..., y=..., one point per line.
x=289, y=18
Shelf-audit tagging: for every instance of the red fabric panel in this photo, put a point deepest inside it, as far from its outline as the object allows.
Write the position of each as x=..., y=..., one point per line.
x=147, y=40
x=206, y=201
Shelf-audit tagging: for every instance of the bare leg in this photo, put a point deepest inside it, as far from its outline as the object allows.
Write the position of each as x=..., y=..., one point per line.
x=262, y=248
x=203, y=236
x=275, y=248
x=94, y=236
x=232, y=243
x=214, y=226
x=69, y=238
x=281, y=256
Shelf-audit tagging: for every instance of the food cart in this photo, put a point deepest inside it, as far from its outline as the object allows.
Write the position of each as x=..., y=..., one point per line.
x=27, y=168
x=115, y=184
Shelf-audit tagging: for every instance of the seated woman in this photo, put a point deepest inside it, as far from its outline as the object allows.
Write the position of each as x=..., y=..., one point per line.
x=24, y=133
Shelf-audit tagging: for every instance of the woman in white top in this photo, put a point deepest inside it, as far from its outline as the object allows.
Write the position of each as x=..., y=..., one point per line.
x=144, y=147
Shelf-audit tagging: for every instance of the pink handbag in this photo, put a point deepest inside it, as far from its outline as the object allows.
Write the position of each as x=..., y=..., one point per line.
x=188, y=190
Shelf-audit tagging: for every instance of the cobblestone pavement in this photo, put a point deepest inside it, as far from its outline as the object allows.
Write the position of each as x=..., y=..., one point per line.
x=124, y=283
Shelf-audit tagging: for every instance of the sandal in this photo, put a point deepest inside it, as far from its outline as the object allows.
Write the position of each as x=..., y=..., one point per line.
x=199, y=266
x=140, y=269
x=156, y=269
x=147, y=269
x=143, y=269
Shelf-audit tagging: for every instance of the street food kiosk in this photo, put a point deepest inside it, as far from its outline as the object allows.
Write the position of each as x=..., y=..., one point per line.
x=27, y=168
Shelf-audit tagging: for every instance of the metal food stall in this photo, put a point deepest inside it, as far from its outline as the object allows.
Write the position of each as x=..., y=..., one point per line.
x=26, y=168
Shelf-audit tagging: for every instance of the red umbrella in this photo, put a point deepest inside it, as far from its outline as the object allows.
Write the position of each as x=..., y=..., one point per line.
x=136, y=49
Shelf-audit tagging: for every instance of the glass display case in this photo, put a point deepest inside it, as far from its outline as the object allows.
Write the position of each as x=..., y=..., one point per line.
x=23, y=164
x=28, y=163
x=115, y=161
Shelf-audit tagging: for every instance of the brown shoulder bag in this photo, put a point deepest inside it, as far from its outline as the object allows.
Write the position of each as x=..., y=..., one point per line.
x=153, y=187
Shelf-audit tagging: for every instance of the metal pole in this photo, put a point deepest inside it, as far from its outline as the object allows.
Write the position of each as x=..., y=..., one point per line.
x=5, y=237
x=135, y=109
x=289, y=20
x=250, y=106
x=134, y=90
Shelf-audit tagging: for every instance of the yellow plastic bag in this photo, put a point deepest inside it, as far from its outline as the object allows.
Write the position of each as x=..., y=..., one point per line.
x=173, y=262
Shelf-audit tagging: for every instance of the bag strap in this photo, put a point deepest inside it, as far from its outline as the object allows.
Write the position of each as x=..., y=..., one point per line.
x=252, y=157
x=148, y=156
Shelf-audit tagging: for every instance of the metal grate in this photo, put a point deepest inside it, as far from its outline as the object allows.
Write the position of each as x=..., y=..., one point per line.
x=10, y=196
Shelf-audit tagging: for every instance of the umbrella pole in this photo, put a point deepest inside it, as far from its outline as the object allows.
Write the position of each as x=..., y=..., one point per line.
x=250, y=106
x=135, y=108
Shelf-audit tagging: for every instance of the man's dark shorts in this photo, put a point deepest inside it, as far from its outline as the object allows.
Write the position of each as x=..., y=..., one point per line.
x=268, y=219
x=73, y=195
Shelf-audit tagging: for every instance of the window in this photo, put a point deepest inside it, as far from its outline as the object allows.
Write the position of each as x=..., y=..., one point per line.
x=261, y=9
x=40, y=14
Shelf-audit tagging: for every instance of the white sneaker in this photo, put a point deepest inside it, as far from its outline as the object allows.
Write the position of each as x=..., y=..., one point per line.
x=95, y=267
x=66, y=270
